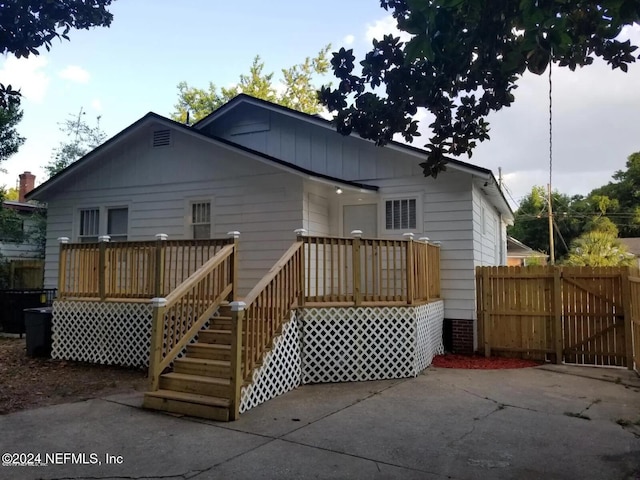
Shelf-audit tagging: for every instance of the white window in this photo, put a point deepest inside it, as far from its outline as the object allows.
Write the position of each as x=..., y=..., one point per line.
x=401, y=214
x=118, y=224
x=89, y=225
x=201, y=219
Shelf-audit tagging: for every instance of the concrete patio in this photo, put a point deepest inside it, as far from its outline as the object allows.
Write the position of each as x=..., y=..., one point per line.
x=546, y=422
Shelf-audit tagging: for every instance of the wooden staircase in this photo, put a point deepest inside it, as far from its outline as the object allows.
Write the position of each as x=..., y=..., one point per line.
x=199, y=384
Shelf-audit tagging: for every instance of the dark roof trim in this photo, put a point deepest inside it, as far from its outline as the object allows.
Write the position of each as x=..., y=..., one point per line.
x=154, y=116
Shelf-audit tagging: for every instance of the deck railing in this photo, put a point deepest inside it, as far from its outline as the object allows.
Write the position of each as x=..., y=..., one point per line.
x=131, y=270
x=361, y=271
x=179, y=317
x=269, y=305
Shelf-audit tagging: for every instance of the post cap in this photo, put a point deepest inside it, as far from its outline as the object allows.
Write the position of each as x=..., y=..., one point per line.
x=237, y=306
x=63, y=239
x=424, y=239
x=104, y=238
x=162, y=236
x=158, y=302
x=356, y=233
x=408, y=235
x=234, y=234
x=437, y=244
x=300, y=232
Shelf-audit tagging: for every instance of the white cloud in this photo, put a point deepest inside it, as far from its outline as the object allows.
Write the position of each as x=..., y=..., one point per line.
x=384, y=26
x=27, y=75
x=96, y=104
x=75, y=74
x=349, y=39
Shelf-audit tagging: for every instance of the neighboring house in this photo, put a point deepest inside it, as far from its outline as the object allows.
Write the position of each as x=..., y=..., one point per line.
x=25, y=247
x=519, y=255
x=633, y=246
x=266, y=170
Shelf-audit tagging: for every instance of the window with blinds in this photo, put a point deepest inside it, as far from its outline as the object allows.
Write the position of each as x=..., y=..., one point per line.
x=400, y=214
x=89, y=225
x=201, y=219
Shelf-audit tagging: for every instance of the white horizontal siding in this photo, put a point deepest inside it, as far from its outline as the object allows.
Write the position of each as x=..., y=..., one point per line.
x=316, y=209
x=259, y=200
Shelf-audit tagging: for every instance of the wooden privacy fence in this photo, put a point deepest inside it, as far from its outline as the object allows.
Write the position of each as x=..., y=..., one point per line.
x=26, y=274
x=131, y=269
x=578, y=315
x=359, y=271
x=634, y=308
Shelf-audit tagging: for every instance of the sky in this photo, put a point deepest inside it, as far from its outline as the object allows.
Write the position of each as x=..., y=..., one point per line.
x=122, y=72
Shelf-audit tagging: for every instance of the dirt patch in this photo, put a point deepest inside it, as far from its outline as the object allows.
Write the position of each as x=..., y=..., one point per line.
x=35, y=382
x=479, y=362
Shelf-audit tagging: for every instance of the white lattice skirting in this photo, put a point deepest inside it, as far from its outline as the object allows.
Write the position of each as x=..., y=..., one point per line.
x=279, y=372
x=109, y=333
x=345, y=344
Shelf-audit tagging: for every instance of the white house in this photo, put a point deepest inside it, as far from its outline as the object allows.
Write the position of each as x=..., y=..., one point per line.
x=266, y=170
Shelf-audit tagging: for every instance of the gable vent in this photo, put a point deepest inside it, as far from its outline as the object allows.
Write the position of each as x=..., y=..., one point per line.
x=161, y=138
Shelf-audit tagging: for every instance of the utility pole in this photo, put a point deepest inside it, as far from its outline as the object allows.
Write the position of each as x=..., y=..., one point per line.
x=552, y=255
x=500, y=177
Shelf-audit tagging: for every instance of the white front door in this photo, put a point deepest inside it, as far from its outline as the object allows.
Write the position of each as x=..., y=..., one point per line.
x=360, y=217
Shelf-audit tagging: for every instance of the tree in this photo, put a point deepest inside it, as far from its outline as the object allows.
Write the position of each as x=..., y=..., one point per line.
x=599, y=248
x=623, y=195
x=27, y=25
x=463, y=61
x=298, y=93
x=11, y=229
x=12, y=194
x=81, y=139
x=531, y=223
x=10, y=140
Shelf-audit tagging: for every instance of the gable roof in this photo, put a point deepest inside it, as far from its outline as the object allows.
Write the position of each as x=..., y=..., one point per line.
x=517, y=249
x=489, y=185
x=152, y=117
x=492, y=186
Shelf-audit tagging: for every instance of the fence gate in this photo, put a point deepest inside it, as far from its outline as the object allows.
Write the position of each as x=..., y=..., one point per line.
x=593, y=316
x=580, y=315
x=634, y=310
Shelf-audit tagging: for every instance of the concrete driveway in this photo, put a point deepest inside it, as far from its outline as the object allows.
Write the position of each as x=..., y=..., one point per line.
x=545, y=422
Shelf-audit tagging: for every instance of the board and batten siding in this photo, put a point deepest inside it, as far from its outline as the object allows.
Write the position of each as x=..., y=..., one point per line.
x=310, y=146
x=159, y=184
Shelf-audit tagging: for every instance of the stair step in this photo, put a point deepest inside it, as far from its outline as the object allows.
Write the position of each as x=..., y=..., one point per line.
x=215, y=336
x=220, y=323
x=191, y=404
x=212, y=351
x=198, y=384
x=203, y=366
x=225, y=310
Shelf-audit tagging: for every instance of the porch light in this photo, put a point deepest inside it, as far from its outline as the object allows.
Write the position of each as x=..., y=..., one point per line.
x=338, y=190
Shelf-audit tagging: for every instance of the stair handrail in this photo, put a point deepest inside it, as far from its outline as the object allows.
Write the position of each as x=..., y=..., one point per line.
x=179, y=317
x=269, y=305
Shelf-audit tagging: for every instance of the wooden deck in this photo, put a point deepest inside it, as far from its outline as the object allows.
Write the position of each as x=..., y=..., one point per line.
x=193, y=287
